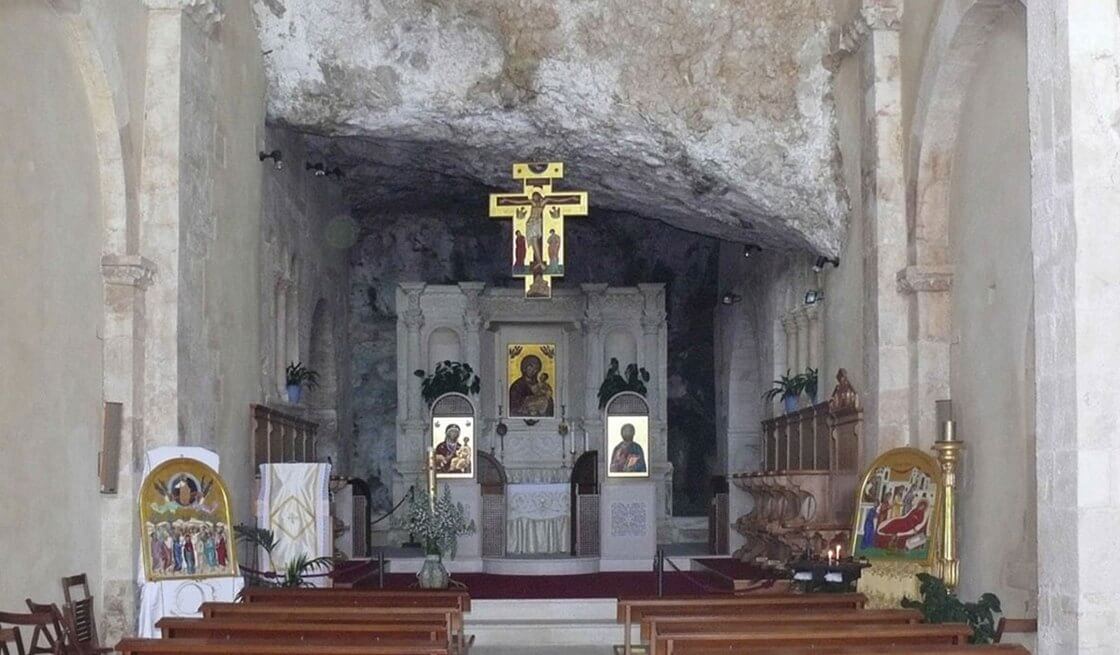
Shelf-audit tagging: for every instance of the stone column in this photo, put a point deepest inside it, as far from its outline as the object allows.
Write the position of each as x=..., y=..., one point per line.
x=126, y=277
x=886, y=340
x=413, y=318
x=1074, y=89
x=593, y=328
x=929, y=290
x=816, y=338
x=789, y=326
x=801, y=321
x=472, y=322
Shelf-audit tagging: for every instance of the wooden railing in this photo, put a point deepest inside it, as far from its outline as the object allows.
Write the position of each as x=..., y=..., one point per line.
x=279, y=437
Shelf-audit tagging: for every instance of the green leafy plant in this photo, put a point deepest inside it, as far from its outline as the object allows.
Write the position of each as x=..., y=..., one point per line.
x=809, y=381
x=294, y=571
x=615, y=382
x=438, y=526
x=449, y=377
x=299, y=375
x=940, y=605
x=785, y=386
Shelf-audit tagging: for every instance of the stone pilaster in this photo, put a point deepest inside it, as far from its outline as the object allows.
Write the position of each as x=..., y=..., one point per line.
x=789, y=326
x=593, y=328
x=886, y=345
x=126, y=277
x=930, y=335
x=816, y=336
x=473, y=321
x=413, y=320
x=653, y=322
x=801, y=323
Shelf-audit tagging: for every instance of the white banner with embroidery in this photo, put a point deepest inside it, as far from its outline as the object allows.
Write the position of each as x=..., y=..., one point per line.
x=538, y=518
x=295, y=504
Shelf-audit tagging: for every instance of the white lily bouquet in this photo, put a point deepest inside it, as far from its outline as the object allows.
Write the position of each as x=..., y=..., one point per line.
x=438, y=530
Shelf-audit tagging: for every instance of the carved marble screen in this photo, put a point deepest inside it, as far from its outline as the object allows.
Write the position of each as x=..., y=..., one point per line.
x=531, y=371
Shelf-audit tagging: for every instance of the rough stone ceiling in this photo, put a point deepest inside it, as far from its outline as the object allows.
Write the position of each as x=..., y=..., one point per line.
x=712, y=115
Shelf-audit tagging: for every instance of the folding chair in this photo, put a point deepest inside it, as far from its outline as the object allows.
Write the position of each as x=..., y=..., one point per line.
x=79, y=618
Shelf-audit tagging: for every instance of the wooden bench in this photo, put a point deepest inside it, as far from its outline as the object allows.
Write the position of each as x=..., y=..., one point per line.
x=452, y=618
x=910, y=649
x=353, y=633
x=652, y=624
x=631, y=610
x=357, y=597
x=689, y=643
x=233, y=647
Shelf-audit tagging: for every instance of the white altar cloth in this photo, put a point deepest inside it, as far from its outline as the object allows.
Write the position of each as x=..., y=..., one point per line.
x=538, y=518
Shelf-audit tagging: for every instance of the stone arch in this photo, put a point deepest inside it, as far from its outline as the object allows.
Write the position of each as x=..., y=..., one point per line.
x=956, y=44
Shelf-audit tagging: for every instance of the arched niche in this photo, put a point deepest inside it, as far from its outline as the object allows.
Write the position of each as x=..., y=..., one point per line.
x=443, y=345
x=620, y=344
x=453, y=436
x=322, y=358
x=627, y=435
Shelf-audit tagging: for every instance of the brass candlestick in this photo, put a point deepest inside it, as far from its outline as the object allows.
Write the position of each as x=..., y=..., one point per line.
x=949, y=450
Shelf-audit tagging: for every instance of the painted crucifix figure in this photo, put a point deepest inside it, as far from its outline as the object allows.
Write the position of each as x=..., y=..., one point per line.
x=538, y=224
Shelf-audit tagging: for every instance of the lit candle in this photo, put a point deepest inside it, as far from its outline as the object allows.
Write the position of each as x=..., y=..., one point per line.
x=838, y=549
x=432, y=477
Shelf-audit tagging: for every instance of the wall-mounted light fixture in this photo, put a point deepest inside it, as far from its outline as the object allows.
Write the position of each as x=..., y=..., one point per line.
x=818, y=266
x=730, y=298
x=276, y=156
x=750, y=248
x=814, y=296
x=320, y=169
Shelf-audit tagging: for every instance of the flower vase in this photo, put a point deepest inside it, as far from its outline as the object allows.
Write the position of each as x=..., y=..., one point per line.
x=790, y=403
x=432, y=574
x=294, y=393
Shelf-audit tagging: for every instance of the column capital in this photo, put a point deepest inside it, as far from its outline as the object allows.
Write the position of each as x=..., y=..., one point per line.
x=925, y=279
x=882, y=14
x=873, y=15
x=127, y=270
x=207, y=13
x=789, y=323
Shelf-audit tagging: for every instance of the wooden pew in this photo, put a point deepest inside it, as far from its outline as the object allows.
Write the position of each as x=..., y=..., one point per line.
x=351, y=633
x=631, y=610
x=652, y=624
x=233, y=647
x=911, y=649
x=744, y=639
x=452, y=618
x=357, y=597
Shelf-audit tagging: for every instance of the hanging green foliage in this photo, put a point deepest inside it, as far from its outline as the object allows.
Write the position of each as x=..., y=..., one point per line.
x=449, y=377
x=615, y=383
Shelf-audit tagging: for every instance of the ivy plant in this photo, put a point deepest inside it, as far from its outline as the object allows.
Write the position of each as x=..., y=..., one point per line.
x=449, y=377
x=940, y=605
x=615, y=382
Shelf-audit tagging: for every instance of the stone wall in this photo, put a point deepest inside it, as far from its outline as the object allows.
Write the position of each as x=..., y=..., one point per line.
x=50, y=252
x=306, y=234
x=610, y=248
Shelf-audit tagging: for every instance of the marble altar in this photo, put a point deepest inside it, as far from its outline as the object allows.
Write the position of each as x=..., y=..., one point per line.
x=538, y=518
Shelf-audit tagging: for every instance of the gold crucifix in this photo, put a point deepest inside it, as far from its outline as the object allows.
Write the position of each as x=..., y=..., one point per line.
x=538, y=224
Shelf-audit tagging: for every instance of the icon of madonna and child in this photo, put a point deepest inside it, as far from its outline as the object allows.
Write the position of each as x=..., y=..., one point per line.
x=897, y=512
x=533, y=370
x=186, y=523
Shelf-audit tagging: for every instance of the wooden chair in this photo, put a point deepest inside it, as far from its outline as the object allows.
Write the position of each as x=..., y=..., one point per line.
x=10, y=636
x=41, y=624
x=80, y=619
x=55, y=638
x=1015, y=626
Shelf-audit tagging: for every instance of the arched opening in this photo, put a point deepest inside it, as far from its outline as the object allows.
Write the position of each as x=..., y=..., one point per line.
x=443, y=346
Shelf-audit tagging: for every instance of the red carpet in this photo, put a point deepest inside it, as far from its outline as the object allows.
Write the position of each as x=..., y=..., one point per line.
x=593, y=585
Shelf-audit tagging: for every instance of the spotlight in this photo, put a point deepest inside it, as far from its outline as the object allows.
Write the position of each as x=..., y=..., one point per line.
x=818, y=266
x=320, y=168
x=730, y=298
x=749, y=248
x=813, y=296
x=276, y=156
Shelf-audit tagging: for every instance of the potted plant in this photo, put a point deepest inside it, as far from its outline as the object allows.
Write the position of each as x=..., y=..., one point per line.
x=789, y=388
x=939, y=605
x=614, y=382
x=299, y=376
x=438, y=526
x=294, y=571
x=449, y=377
x=809, y=381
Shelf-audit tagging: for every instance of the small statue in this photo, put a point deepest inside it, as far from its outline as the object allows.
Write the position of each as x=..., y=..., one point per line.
x=843, y=396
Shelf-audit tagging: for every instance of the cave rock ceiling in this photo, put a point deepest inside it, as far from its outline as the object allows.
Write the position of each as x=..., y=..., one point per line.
x=713, y=115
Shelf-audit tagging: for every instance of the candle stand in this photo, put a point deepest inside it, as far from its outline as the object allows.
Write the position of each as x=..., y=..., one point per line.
x=827, y=576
